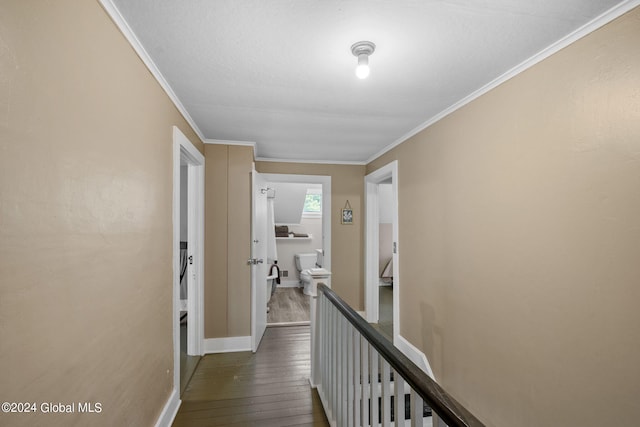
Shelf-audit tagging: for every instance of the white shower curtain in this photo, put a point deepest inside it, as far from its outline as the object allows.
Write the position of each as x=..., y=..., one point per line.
x=272, y=250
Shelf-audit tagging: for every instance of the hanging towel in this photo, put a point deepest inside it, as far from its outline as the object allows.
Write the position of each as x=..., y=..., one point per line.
x=183, y=270
x=275, y=270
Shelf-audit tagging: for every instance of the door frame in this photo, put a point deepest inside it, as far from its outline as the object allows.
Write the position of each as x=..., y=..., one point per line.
x=326, y=205
x=372, y=240
x=258, y=271
x=185, y=151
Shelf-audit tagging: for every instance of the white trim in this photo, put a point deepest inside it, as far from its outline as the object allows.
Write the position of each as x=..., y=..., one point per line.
x=238, y=143
x=259, y=283
x=113, y=11
x=283, y=324
x=321, y=162
x=169, y=411
x=227, y=345
x=371, y=261
x=325, y=404
x=195, y=292
x=415, y=355
x=372, y=281
x=289, y=284
x=576, y=35
x=230, y=142
x=183, y=149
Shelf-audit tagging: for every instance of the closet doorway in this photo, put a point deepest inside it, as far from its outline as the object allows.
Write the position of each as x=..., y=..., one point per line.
x=382, y=286
x=300, y=220
x=188, y=255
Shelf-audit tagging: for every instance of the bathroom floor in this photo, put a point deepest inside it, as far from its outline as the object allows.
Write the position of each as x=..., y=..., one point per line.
x=288, y=305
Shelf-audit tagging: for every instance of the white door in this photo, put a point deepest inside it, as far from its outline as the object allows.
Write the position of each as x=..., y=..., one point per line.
x=258, y=259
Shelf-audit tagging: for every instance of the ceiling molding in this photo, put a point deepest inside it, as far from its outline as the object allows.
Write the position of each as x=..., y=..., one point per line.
x=229, y=142
x=126, y=30
x=591, y=26
x=321, y=162
x=586, y=29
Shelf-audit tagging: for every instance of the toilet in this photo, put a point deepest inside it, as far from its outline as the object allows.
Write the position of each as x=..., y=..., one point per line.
x=306, y=264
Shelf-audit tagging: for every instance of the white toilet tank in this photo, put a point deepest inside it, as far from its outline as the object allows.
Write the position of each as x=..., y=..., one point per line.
x=305, y=260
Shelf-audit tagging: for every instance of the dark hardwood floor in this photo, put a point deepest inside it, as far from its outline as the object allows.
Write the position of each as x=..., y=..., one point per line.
x=187, y=363
x=268, y=388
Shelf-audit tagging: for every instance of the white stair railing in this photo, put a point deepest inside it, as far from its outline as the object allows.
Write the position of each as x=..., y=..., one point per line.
x=363, y=380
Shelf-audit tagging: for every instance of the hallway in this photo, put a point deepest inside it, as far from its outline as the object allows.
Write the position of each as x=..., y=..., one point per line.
x=268, y=388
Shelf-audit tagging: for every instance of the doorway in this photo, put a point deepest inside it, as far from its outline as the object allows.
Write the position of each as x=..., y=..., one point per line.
x=188, y=253
x=302, y=223
x=382, y=281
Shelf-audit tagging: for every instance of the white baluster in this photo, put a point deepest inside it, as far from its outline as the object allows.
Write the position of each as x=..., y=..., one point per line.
x=398, y=385
x=315, y=339
x=338, y=339
x=323, y=345
x=349, y=377
x=364, y=380
x=357, y=387
x=375, y=388
x=385, y=401
x=334, y=363
x=417, y=409
x=344, y=411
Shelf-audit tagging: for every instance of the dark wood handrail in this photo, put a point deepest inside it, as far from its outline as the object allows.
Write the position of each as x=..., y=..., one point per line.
x=447, y=408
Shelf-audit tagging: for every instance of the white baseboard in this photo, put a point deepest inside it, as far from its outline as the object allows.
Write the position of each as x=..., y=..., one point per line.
x=415, y=355
x=227, y=345
x=170, y=410
x=289, y=284
x=362, y=314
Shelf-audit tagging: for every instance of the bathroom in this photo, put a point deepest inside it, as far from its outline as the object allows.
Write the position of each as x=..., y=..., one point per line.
x=298, y=234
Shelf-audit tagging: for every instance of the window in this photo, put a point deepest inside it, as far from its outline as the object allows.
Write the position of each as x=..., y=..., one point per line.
x=313, y=202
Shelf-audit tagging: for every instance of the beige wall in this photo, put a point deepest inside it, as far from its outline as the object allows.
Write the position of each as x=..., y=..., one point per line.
x=227, y=240
x=85, y=218
x=520, y=236
x=347, y=254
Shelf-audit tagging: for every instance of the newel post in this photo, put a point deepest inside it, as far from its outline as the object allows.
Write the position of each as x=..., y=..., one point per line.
x=315, y=350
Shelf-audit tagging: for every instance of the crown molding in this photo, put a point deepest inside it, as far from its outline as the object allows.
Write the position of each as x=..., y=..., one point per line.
x=115, y=15
x=321, y=162
x=571, y=38
x=230, y=142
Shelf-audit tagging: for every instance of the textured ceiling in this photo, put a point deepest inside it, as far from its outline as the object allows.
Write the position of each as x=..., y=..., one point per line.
x=281, y=73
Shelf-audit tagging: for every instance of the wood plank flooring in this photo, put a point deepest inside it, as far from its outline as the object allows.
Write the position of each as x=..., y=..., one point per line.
x=187, y=363
x=288, y=305
x=268, y=388
x=385, y=313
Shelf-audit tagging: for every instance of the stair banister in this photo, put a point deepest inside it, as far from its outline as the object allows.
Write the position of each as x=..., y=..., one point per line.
x=352, y=365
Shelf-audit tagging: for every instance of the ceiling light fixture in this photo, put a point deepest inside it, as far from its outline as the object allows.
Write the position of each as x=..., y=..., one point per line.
x=362, y=50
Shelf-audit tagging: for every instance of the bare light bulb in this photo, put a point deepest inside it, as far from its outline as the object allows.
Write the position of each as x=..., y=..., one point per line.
x=362, y=70
x=362, y=50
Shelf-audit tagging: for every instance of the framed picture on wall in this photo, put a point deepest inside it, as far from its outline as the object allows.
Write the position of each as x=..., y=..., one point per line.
x=347, y=216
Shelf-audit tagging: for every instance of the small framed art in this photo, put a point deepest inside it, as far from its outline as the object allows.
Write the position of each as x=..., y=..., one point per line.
x=347, y=214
